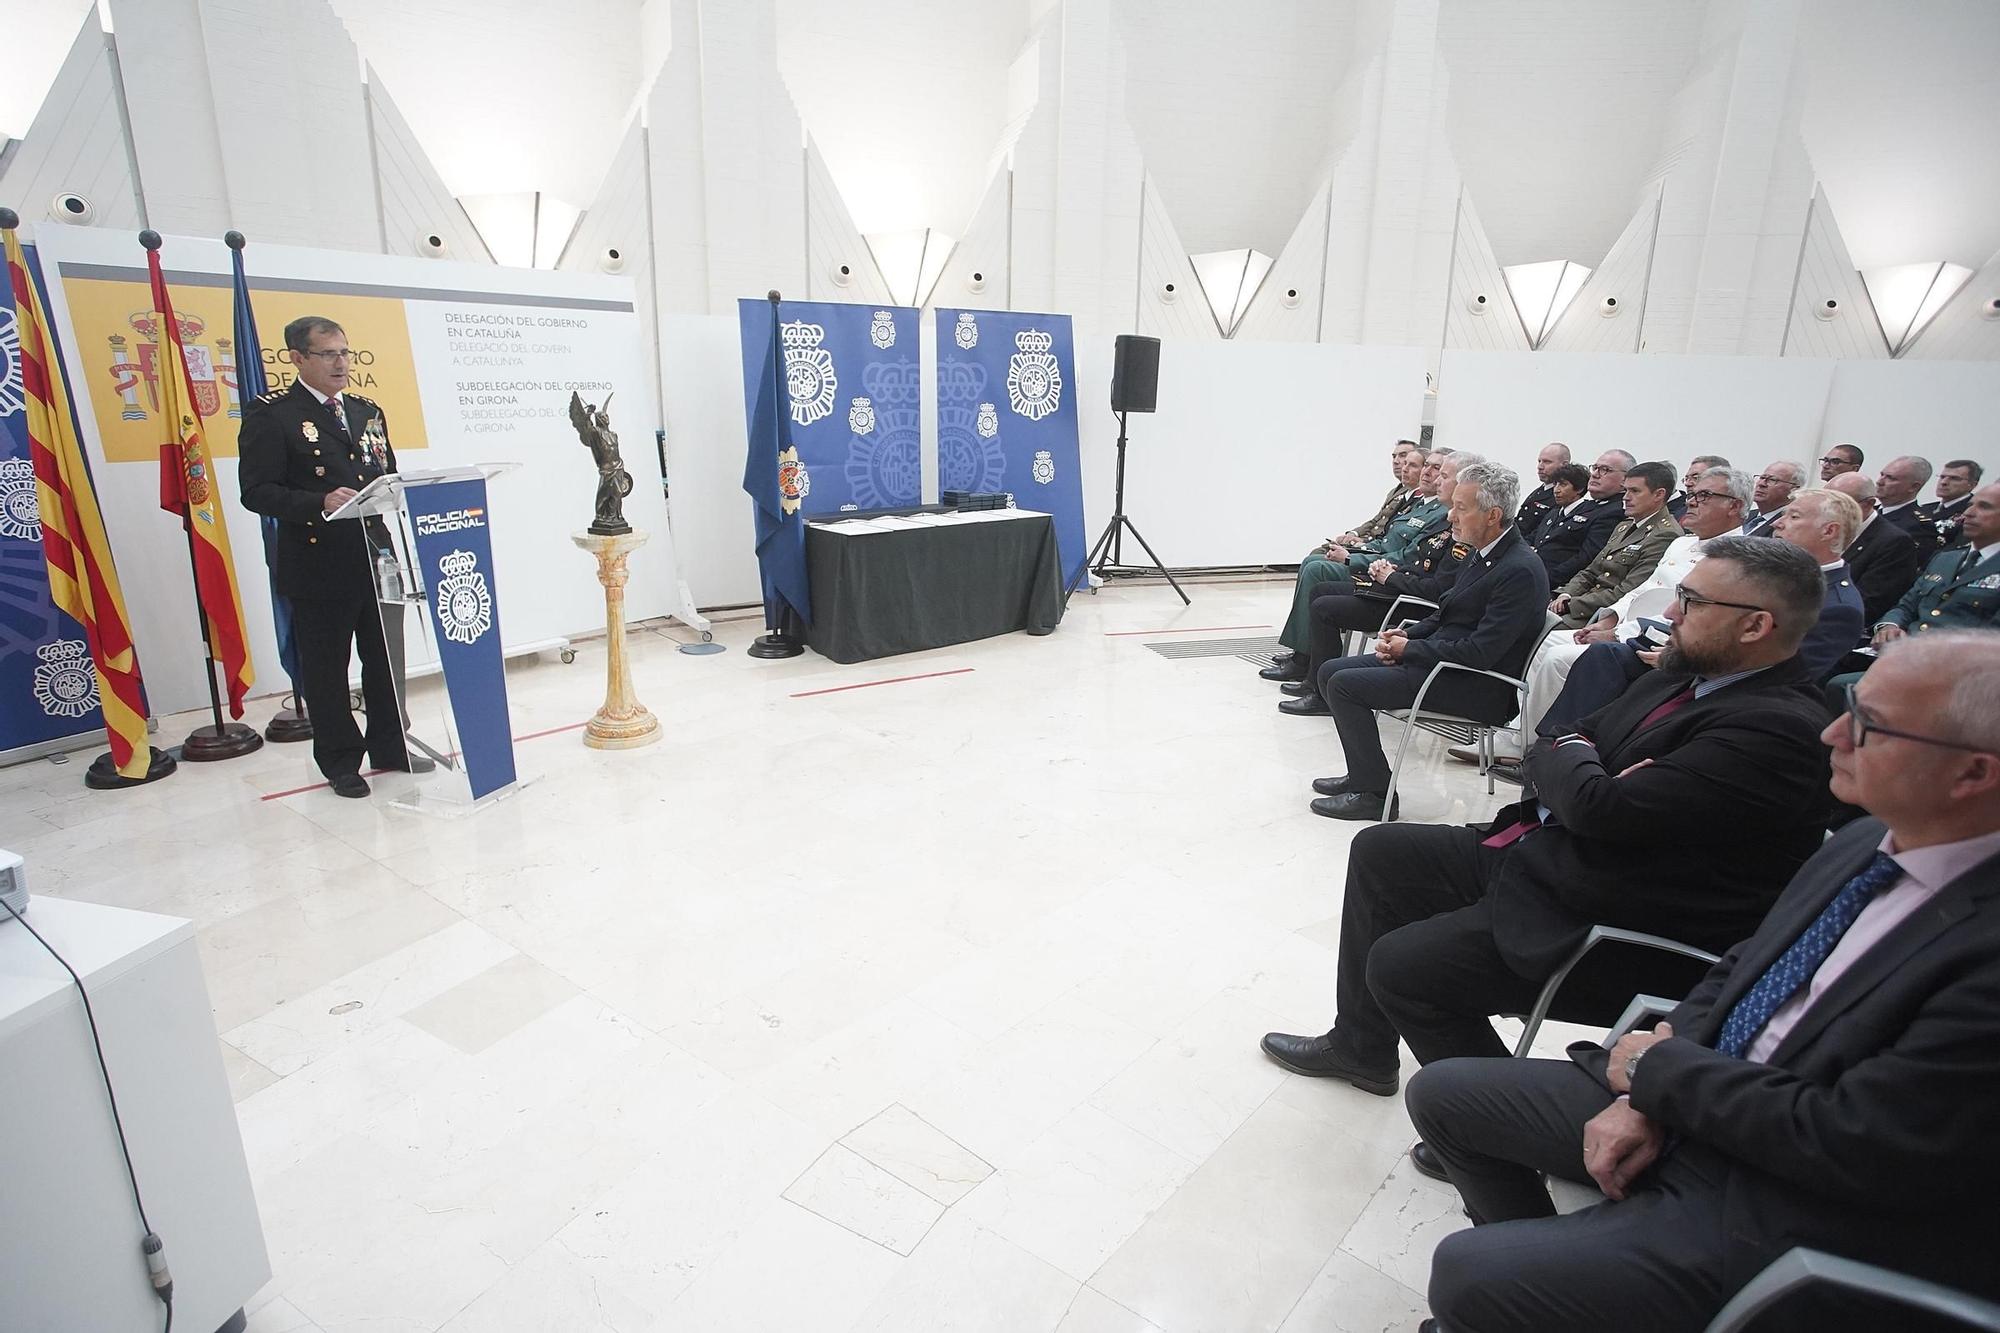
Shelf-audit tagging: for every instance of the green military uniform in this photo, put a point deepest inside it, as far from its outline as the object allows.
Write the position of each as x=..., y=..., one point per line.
x=1627, y=560
x=1422, y=519
x=1957, y=591
x=1394, y=503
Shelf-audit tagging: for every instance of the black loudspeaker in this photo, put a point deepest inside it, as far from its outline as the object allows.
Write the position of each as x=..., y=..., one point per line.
x=1135, y=373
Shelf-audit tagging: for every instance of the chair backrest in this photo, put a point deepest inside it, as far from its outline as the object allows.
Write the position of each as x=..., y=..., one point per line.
x=1801, y=1269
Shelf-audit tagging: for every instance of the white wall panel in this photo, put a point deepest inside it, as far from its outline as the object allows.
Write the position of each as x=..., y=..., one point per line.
x=1827, y=273
x=1475, y=273
x=619, y=220
x=674, y=136
x=77, y=142
x=415, y=202
x=1936, y=409
x=983, y=251
x=753, y=156
x=1300, y=268
x=1163, y=261
x=833, y=241
x=171, y=101
x=1620, y=276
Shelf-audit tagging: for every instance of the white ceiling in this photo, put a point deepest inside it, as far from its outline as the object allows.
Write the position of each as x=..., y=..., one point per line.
x=35, y=36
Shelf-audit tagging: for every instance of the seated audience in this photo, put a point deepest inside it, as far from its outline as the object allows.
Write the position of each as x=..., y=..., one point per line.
x=1702, y=463
x=1831, y=1083
x=1636, y=622
x=1427, y=572
x=1570, y=537
x=1337, y=562
x=1681, y=809
x=1490, y=620
x=1543, y=498
x=1955, y=483
x=1960, y=589
x=1839, y=461
x=1632, y=553
x=1394, y=503
x=1882, y=558
x=1775, y=485
x=1896, y=490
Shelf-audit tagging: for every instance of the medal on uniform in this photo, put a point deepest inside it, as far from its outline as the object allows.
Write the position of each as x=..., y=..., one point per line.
x=319, y=472
x=378, y=442
x=310, y=431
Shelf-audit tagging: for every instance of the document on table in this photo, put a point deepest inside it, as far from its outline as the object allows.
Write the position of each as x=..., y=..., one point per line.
x=852, y=527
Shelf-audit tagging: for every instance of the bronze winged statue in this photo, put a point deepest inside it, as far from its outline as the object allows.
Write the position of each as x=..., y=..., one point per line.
x=614, y=483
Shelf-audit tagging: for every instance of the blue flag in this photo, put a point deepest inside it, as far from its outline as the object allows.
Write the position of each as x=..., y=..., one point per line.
x=251, y=385
x=771, y=476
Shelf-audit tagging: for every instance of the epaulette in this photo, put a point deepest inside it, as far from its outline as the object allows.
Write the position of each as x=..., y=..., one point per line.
x=273, y=396
x=359, y=399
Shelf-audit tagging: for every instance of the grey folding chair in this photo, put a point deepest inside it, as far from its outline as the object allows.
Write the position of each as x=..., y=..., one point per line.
x=1801, y=1268
x=1532, y=1024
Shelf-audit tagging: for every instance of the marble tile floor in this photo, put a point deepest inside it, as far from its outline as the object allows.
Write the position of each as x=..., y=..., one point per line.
x=923, y=1007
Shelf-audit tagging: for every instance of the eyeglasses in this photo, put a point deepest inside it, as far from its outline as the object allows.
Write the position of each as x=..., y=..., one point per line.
x=1844, y=462
x=1860, y=726
x=1778, y=481
x=1697, y=498
x=1688, y=598
x=330, y=354
x=1599, y=469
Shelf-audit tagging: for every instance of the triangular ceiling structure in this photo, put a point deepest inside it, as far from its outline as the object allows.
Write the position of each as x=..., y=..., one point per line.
x=1479, y=312
x=1832, y=313
x=76, y=144
x=843, y=268
x=1908, y=296
x=1606, y=314
x=1968, y=328
x=977, y=272
x=1286, y=307
x=416, y=206
x=1170, y=299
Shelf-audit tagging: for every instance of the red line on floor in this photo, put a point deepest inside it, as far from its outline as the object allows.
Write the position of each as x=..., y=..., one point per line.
x=893, y=680
x=1178, y=629
x=375, y=772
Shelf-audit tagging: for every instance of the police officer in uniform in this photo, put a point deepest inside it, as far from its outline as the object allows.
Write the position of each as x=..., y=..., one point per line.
x=305, y=451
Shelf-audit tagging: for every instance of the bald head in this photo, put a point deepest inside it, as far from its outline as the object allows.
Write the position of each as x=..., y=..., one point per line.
x=1856, y=486
x=1943, y=686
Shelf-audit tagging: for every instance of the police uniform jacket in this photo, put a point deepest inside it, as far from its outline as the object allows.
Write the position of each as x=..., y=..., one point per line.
x=1420, y=520
x=1626, y=561
x=1910, y=518
x=1884, y=561
x=1428, y=572
x=1539, y=502
x=1947, y=519
x=292, y=454
x=1958, y=591
x=1566, y=542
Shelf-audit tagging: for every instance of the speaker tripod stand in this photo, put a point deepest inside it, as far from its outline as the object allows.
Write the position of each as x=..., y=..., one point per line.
x=1109, y=552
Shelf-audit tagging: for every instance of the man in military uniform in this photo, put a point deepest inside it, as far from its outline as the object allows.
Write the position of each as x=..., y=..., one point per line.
x=305, y=451
x=1543, y=498
x=1955, y=483
x=1570, y=537
x=1399, y=498
x=1631, y=554
x=1959, y=590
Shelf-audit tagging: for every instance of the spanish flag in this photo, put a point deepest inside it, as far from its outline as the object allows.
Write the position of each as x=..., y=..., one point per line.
x=82, y=581
x=187, y=488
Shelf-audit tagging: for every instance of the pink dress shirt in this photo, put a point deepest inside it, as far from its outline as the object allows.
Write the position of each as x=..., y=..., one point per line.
x=1925, y=873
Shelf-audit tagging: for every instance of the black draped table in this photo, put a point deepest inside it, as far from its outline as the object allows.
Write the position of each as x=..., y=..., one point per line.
x=902, y=584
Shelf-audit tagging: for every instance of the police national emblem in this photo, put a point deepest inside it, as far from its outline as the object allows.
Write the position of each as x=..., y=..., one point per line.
x=966, y=332
x=884, y=466
x=809, y=376
x=794, y=482
x=66, y=681
x=464, y=603
x=882, y=330
x=989, y=421
x=20, y=509
x=1034, y=384
x=1045, y=467
x=969, y=458
x=12, y=398
x=861, y=416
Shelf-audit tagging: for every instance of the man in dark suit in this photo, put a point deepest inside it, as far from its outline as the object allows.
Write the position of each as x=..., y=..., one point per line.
x=1882, y=558
x=1840, y=460
x=1543, y=498
x=1681, y=809
x=1490, y=620
x=1955, y=483
x=1678, y=505
x=1896, y=491
x=305, y=451
x=1775, y=485
x=1570, y=538
x=1830, y=1083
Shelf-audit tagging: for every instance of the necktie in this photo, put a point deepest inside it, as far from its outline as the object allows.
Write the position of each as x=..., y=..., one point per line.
x=1797, y=964
x=339, y=417
x=1667, y=706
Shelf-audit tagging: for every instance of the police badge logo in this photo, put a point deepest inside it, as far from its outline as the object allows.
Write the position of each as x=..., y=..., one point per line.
x=464, y=603
x=809, y=377
x=989, y=421
x=861, y=416
x=310, y=429
x=884, y=465
x=1045, y=467
x=20, y=508
x=11, y=397
x=66, y=682
x=882, y=330
x=1034, y=384
x=794, y=482
x=966, y=332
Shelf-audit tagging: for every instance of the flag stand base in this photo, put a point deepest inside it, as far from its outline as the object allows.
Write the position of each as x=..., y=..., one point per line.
x=104, y=775
x=774, y=645
x=209, y=743
x=291, y=724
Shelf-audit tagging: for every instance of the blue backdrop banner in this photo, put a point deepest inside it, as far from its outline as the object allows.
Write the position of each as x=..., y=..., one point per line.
x=856, y=393
x=1007, y=415
x=48, y=688
x=455, y=555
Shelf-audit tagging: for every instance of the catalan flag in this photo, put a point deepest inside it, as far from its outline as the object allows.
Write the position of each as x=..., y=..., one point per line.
x=82, y=581
x=187, y=488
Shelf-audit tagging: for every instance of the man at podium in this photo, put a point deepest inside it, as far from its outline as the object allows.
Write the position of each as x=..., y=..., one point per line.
x=305, y=451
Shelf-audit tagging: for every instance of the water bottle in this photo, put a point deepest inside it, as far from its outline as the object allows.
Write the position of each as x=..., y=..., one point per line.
x=388, y=577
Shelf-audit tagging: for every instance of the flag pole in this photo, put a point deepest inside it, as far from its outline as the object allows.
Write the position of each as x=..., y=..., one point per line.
x=778, y=641
x=221, y=740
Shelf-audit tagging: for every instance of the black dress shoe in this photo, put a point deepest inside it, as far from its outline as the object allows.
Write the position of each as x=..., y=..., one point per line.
x=1293, y=668
x=1426, y=1161
x=1323, y=1057
x=350, y=785
x=1298, y=689
x=1332, y=786
x=1349, y=805
x=1306, y=705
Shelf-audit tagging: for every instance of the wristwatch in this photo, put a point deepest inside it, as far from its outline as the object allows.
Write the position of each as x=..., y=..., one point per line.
x=1632, y=1065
